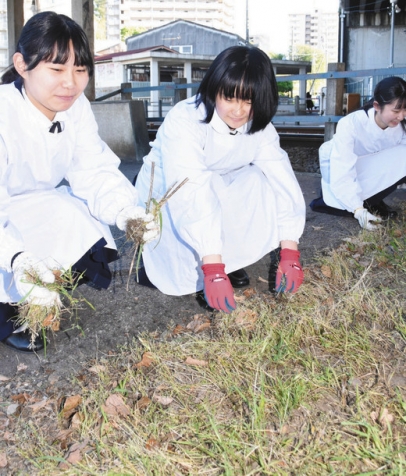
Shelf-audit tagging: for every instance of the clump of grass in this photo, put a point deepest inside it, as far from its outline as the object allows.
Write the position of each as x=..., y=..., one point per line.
x=38, y=319
x=136, y=228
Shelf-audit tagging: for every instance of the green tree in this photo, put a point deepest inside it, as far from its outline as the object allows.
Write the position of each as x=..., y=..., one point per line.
x=126, y=32
x=285, y=87
x=100, y=19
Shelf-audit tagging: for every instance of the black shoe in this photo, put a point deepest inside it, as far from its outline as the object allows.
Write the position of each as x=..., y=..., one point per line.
x=381, y=209
x=239, y=278
x=22, y=342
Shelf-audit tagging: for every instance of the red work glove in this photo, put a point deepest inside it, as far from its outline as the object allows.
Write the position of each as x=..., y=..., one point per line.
x=218, y=291
x=290, y=274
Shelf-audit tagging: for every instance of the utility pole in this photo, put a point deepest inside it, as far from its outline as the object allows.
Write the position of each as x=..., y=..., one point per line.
x=247, y=31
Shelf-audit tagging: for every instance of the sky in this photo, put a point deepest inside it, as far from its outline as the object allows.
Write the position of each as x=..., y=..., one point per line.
x=270, y=17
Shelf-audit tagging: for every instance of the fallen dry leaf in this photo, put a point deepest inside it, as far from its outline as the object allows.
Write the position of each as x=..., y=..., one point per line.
x=3, y=378
x=326, y=270
x=179, y=329
x=21, y=367
x=20, y=398
x=262, y=280
x=38, y=405
x=245, y=318
x=249, y=292
x=384, y=418
x=164, y=401
x=200, y=323
x=97, y=368
x=199, y=363
x=115, y=406
x=240, y=298
x=143, y=403
x=151, y=443
x=146, y=361
x=69, y=404
x=3, y=460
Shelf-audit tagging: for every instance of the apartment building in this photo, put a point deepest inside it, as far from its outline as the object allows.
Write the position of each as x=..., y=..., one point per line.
x=318, y=29
x=4, y=57
x=148, y=14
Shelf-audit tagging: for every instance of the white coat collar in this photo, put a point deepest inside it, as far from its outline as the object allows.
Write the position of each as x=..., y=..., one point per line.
x=59, y=116
x=220, y=126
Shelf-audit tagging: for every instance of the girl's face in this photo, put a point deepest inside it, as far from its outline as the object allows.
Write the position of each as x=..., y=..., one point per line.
x=389, y=115
x=53, y=87
x=234, y=112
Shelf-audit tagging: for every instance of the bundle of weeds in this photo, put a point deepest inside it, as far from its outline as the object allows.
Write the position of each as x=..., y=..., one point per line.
x=285, y=384
x=39, y=318
x=137, y=227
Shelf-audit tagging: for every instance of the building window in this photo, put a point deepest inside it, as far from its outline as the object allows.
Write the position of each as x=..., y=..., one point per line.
x=184, y=49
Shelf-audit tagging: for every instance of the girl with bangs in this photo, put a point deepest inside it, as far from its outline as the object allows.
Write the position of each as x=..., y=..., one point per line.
x=241, y=200
x=365, y=160
x=48, y=134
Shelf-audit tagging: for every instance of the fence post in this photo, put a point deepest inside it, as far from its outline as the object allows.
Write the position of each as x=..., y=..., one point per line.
x=334, y=99
x=126, y=96
x=180, y=94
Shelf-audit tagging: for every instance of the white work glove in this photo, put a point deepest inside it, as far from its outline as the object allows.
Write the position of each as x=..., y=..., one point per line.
x=365, y=218
x=134, y=213
x=30, y=292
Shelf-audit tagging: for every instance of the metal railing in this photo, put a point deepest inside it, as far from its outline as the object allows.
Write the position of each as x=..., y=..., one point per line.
x=365, y=81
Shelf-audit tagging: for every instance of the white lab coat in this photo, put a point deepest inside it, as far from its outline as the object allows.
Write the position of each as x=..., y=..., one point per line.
x=241, y=199
x=361, y=160
x=56, y=224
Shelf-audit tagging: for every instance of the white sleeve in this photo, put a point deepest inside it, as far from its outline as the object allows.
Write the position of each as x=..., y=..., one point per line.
x=93, y=174
x=343, y=175
x=275, y=164
x=194, y=208
x=10, y=239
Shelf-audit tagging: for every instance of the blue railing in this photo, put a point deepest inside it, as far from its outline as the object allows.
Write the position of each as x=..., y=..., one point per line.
x=368, y=79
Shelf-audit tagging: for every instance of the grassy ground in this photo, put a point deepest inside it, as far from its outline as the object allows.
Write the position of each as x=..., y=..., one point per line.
x=309, y=384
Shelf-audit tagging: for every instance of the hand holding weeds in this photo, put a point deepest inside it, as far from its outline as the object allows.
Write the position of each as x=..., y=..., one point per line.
x=289, y=276
x=148, y=228
x=365, y=218
x=27, y=265
x=218, y=291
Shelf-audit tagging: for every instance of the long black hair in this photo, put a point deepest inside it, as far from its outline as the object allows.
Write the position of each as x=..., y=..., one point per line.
x=246, y=73
x=389, y=90
x=47, y=37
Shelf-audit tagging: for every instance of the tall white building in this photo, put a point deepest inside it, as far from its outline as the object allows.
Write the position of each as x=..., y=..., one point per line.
x=3, y=35
x=148, y=14
x=318, y=29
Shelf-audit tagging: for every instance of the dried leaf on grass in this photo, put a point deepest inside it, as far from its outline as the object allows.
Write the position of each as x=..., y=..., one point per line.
x=245, y=318
x=384, y=418
x=143, y=403
x=164, y=401
x=200, y=323
x=198, y=363
x=115, y=406
x=146, y=361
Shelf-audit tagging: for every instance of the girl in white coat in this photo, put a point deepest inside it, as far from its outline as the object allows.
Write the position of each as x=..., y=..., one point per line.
x=48, y=133
x=365, y=160
x=241, y=200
